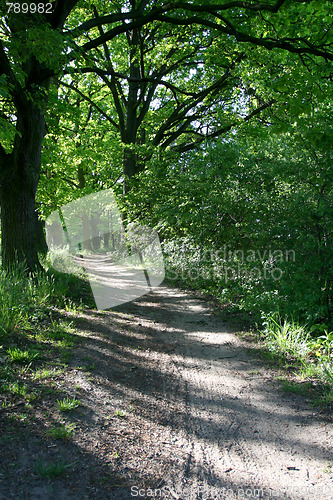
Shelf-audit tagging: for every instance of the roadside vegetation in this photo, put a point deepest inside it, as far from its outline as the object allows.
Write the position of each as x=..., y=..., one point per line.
x=37, y=339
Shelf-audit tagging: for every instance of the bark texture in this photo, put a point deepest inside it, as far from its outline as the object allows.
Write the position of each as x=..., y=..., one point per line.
x=20, y=229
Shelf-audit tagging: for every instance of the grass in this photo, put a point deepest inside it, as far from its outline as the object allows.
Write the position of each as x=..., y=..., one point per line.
x=22, y=417
x=16, y=355
x=62, y=431
x=35, y=327
x=327, y=370
x=120, y=414
x=72, y=292
x=324, y=399
x=23, y=300
x=68, y=404
x=290, y=347
x=66, y=356
x=16, y=388
x=51, y=470
x=60, y=330
x=286, y=337
x=296, y=388
x=46, y=373
x=26, y=301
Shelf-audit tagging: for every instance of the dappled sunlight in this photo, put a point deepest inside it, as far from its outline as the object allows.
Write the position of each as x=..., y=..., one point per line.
x=173, y=386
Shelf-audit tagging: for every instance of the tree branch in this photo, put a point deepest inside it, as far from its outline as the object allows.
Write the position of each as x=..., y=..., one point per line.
x=17, y=92
x=182, y=148
x=91, y=102
x=116, y=90
x=269, y=43
x=188, y=105
x=169, y=6
x=212, y=8
x=61, y=11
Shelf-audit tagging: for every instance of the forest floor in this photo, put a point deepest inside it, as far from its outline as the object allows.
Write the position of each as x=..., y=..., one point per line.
x=172, y=404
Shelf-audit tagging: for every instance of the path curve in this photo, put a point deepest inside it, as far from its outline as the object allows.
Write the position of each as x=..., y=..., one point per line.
x=242, y=436
x=172, y=405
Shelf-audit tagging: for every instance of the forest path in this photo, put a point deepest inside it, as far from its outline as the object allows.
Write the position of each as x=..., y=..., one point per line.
x=172, y=405
x=241, y=435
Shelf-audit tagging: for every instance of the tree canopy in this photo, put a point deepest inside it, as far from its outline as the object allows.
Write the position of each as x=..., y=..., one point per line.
x=211, y=120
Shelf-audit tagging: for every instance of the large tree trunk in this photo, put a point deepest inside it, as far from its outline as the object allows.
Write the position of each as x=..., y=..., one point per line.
x=129, y=167
x=131, y=123
x=20, y=234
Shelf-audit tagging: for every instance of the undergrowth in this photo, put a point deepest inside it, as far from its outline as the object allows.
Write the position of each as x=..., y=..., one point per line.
x=37, y=338
x=247, y=294
x=25, y=301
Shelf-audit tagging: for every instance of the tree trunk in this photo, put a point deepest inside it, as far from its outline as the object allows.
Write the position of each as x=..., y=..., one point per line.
x=131, y=124
x=19, y=227
x=20, y=234
x=129, y=167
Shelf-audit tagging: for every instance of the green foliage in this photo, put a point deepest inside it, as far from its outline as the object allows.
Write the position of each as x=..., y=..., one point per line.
x=249, y=220
x=287, y=337
x=68, y=404
x=311, y=357
x=23, y=300
x=328, y=371
x=62, y=431
x=262, y=185
x=60, y=331
x=259, y=191
x=120, y=414
x=71, y=290
x=15, y=387
x=26, y=301
x=322, y=344
x=295, y=387
x=51, y=470
x=16, y=355
x=46, y=373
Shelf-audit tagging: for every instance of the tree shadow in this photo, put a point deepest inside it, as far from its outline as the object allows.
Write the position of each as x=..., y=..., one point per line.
x=129, y=371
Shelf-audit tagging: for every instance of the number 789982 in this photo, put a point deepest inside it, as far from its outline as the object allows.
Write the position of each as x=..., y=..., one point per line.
x=24, y=8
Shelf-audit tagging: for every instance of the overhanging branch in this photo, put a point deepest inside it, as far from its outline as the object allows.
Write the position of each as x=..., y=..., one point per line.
x=91, y=102
x=268, y=43
x=170, y=6
x=182, y=148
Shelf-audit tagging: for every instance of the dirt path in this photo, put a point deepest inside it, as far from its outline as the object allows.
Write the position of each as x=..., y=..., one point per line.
x=173, y=406
x=243, y=436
